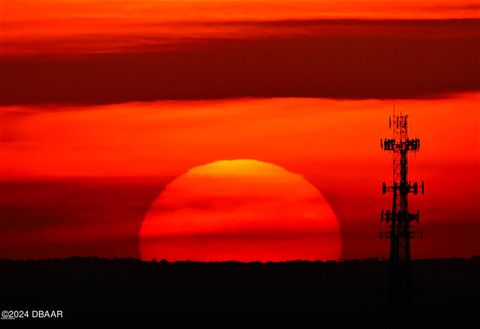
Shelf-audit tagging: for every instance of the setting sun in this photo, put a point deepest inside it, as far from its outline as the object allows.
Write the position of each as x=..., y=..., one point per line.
x=242, y=210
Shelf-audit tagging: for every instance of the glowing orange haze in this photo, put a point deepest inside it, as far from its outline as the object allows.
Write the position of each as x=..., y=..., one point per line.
x=174, y=10
x=169, y=137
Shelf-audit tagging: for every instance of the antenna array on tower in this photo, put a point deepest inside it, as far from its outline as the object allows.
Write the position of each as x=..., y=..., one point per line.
x=399, y=220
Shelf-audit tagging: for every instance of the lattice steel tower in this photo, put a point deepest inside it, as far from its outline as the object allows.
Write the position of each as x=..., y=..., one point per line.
x=399, y=220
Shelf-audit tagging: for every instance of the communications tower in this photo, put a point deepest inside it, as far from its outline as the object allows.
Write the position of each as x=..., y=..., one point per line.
x=399, y=221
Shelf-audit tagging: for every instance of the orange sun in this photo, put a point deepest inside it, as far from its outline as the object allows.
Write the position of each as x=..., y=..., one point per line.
x=243, y=210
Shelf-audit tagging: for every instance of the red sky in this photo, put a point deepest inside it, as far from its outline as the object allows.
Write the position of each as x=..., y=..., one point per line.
x=65, y=167
x=95, y=26
x=103, y=103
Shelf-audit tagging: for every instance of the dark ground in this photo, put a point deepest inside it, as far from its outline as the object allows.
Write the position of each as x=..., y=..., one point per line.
x=111, y=293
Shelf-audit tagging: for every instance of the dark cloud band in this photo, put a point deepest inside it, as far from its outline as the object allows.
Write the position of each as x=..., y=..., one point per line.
x=411, y=64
